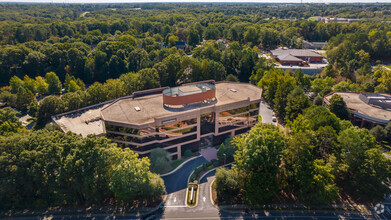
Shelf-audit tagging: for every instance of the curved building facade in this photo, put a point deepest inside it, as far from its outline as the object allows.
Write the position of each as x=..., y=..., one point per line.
x=182, y=118
x=367, y=109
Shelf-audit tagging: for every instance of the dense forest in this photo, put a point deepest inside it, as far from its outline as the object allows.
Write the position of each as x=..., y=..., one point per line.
x=56, y=58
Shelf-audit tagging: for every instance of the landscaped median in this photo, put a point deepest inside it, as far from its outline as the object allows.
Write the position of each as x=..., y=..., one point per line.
x=192, y=195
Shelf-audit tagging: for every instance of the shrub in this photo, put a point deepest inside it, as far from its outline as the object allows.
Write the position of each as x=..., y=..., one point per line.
x=188, y=153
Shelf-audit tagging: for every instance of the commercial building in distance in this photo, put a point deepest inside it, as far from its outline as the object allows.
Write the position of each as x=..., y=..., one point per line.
x=176, y=119
x=300, y=57
x=367, y=109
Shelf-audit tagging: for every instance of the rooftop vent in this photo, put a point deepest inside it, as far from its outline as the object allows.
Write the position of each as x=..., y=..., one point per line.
x=137, y=109
x=233, y=90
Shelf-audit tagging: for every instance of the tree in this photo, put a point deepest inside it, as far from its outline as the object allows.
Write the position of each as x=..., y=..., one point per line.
x=318, y=100
x=160, y=160
x=117, y=66
x=137, y=60
x=33, y=108
x=142, y=184
x=259, y=174
x=171, y=70
x=379, y=133
x=251, y=36
x=226, y=151
x=114, y=88
x=62, y=169
x=227, y=185
x=297, y=101
x=148, y=78
x=9, y=122
x=322, y=189
x=73, y=100
x=247, y=64
x=367, y=170
x=321, y=86
x=42, y=86
x=211, y=33
x=54, y=83
x=96, y=93
x=193, y=37
x=172, y=40
x=217, y=71
x=35, y=63
x=373, y=175
x=286, y=84
x=319, y=116
x=29, y=84
x=231, y=78
x=48, y=107
x=338, y=107
x=16, y=83
x=24, y=98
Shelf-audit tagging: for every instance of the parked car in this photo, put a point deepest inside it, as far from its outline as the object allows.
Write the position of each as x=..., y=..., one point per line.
x=274, y=119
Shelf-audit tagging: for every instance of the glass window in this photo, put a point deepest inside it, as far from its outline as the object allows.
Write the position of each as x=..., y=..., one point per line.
x=207, y=123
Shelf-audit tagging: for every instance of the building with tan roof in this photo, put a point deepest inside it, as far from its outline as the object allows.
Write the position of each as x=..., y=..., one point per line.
x=176, y=119
x=367, y=109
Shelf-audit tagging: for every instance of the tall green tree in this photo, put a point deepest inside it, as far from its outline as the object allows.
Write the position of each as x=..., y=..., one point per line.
x=258, y=157
x=338, y=107
x=297, y=101
x=54, y=83
x=160, y=160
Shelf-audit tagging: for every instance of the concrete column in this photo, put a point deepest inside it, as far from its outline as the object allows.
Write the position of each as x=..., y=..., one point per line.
x=179, y=151
x=354, y=119
x=362, y=123
x=232, y=133
x=216, y=123
x=198, y=126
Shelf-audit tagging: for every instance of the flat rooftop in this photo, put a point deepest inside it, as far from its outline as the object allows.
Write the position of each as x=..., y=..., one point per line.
x=354, y=102
x=83, y=122
x=144, y=110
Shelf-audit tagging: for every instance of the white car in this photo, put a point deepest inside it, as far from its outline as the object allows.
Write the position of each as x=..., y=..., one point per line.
x=274, y=119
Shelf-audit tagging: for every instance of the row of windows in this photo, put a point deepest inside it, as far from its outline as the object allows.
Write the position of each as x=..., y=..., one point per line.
x=150, y=138
x=207, y=122
x=153, y=129
x=239, y=110
x=161, y=145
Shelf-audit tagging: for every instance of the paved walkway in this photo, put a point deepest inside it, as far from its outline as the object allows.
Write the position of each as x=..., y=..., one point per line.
x=209, y=153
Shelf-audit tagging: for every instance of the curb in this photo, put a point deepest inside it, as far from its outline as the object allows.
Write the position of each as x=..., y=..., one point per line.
x=188, y=179
x=198, y=193
x=180, y=166
x=210, y=193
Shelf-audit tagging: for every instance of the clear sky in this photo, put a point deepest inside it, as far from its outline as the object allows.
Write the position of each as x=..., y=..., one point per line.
x=187, y=1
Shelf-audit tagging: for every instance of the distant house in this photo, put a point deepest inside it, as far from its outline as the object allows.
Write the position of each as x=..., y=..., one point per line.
x=314, y=45
x=164, y=45
x=180, y=45
x=298, y=57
